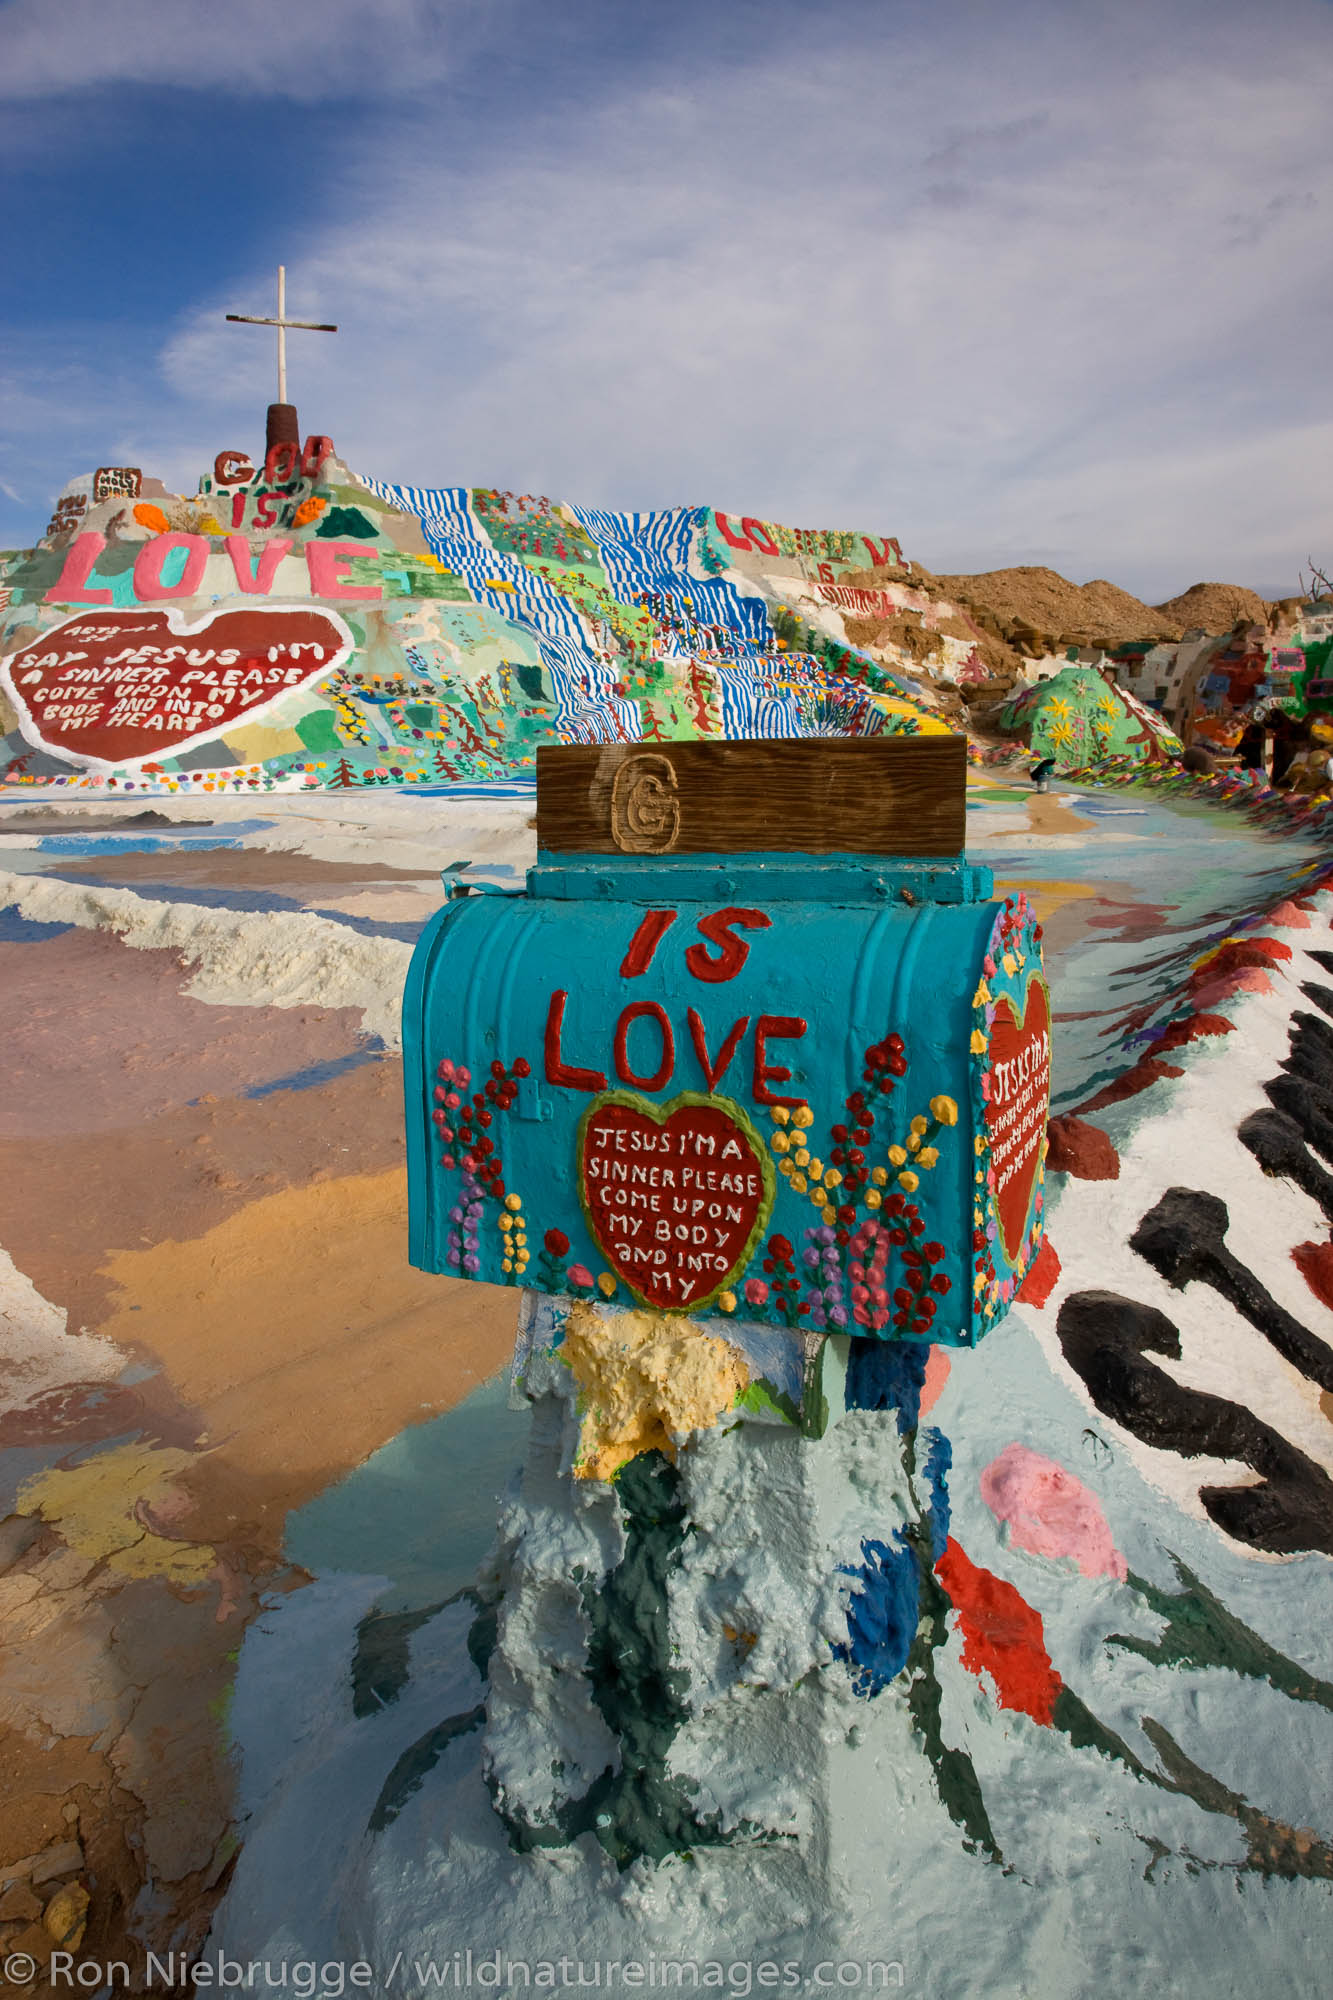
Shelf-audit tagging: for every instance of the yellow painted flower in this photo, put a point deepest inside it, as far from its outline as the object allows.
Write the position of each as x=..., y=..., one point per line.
x=799, y=1183
x=507, y=1264
x=801, y=1157
x=918, y=1125
x=833, y=1178
x=786, y=1168
x=779, y=1142
x=978, y=1043
x=779, y=1114
x=913, y=1142
x=506, y=1222
x=982, y=995
x=909, y=1182
x=829, y=1213
x=513, y=1202
x=879, y=1175
x=803, y=1116
x=606, y=1284
x=1010, y=963
x=927, y=1157
x=815, y=1170
x=944, y=1111
x=873, y=1197
x=979, y=1145
x=519, y=1238
x=897, y=1156
x=727, y=1301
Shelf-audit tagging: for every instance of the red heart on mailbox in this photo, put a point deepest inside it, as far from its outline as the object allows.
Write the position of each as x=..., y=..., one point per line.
x=1020, y=1090
x=110, y=687
x=676, y=1195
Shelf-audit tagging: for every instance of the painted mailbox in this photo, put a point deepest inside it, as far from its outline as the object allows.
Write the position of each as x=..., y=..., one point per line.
x=754, y=1042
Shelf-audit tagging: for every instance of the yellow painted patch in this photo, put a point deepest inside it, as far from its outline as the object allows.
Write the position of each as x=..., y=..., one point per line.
x=93, y=1507
x=644, y=1379
x=252, y=743
x=304, y=1340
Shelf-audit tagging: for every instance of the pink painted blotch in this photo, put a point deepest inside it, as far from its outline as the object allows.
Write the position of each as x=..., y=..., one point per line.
x=1049, y=1512
x=149, y=563
x=71, y=586
x=326, y=562
x=259, y=581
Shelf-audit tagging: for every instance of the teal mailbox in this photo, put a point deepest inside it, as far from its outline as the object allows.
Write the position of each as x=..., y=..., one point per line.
x=755, y=1041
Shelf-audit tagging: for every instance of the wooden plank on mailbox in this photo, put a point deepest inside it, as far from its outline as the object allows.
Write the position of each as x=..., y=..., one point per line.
x=808, y=795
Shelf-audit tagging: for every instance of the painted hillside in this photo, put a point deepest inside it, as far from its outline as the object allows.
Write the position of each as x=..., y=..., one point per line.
x=297, y=627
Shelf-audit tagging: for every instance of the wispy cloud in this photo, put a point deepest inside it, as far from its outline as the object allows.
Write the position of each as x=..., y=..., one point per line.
x=303, y=49
x=741, y=283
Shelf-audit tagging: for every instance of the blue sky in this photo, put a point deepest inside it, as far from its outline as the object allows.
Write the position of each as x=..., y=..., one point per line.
x=1048, y=283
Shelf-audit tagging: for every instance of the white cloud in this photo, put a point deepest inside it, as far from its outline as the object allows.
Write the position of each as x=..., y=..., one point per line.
x=1011, y=289
x=304, y=49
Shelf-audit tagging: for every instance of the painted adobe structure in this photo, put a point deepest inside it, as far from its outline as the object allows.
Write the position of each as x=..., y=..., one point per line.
x=295, y=627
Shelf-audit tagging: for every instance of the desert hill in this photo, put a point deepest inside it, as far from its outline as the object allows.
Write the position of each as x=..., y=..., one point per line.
x=1088, y=614
x=1216, y=607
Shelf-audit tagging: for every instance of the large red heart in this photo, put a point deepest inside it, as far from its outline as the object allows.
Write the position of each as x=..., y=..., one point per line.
x=1016, y=1111
x=676, y=1195
x=110, y=687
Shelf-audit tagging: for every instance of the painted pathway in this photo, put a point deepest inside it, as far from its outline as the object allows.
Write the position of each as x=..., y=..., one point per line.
x=203, y=1168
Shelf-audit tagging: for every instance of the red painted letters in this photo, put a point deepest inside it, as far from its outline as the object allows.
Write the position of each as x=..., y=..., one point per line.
x=717, y=928
x=232, y=468
x=557, y=1069
x=714, y=1072
x=741, y=541
x=645, y=941
x=789, y=1027
x=647, y=1010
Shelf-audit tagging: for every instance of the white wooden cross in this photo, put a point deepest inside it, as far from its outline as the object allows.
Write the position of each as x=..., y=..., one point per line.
x=282, y=323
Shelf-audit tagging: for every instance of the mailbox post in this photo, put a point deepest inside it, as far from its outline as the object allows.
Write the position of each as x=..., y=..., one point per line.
x=747, y=1093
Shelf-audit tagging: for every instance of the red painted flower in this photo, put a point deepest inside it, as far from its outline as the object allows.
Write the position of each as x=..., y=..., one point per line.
x=1002, y=1635
x=556, y=1242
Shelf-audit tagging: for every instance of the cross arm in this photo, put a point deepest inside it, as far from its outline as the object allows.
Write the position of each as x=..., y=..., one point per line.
x=306, y=325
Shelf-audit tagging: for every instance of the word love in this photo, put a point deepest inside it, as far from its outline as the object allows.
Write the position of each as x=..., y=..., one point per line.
x=657, y=1035
x=1016, y=1110
x=676, y=1197
x=144, y=683
x=251, y=576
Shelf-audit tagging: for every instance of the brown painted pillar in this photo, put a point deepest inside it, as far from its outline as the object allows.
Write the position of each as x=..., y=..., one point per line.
x=283, y=426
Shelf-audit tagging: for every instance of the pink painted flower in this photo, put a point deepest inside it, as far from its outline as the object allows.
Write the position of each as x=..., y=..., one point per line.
x=579, y=1274
x=756, y=1291
x=1049, y=1512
